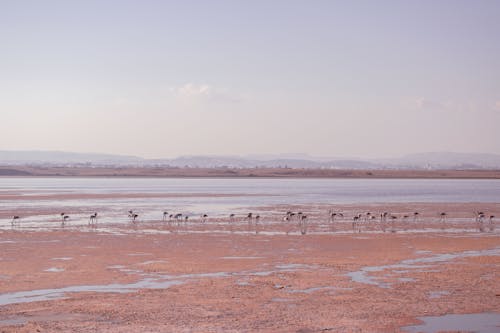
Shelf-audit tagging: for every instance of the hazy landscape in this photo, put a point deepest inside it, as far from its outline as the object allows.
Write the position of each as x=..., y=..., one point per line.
x=422, y=161
x=249, y=166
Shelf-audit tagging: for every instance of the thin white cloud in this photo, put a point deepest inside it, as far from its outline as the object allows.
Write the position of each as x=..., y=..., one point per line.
x=431, y=105
x=195, y=90
x=450, y=106
x=204, y=92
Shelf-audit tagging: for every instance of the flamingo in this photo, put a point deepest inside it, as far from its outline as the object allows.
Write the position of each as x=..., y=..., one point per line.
x=231, y=218
x=64, y=219
x=480, y=221
x=405, y=221
x=383, y=220
x=491, y=223
x=288, y=216
x=393, y=223
x=333, y=215
x=383, y=217
x=367, y=216
x=165, y=215
x=204, y=218
x=415, y=217
x=355, y=222
x=372, y=218
x=131, y=215
x=93, y=218
x=15, y=219
x=303, y=224
x=299, y=218
x=442, y=219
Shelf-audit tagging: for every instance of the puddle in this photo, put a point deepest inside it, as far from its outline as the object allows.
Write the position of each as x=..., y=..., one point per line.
x=438, y=294
x=58, y=293
x=476, y=322
x=294, y=266
x=149, y=262
x=406, y=279
x=423, y=252
x=362, y=276
x=281, y=300
x=149, y=281
x=116, y=267
x=243, y=283
x=54, y=270
x=62, y=258
x=131, y=271
x=241, y=257
x=310, y=290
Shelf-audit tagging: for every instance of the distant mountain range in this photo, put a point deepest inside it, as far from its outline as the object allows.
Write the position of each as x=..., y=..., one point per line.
x=433, y=160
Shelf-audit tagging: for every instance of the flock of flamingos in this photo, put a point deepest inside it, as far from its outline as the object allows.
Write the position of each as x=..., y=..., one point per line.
x=385, y=221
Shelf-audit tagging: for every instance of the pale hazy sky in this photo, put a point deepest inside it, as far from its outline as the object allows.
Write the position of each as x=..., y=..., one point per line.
x=169, y=78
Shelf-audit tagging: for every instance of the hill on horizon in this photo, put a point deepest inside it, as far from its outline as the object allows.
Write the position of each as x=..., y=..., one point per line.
x=431, y=160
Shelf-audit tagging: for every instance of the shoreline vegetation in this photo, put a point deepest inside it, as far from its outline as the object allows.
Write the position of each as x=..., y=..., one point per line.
x=171, y=172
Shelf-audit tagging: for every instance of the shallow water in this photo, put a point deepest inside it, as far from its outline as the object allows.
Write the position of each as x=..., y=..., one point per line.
x=63, y=258
x=363, y=275
x=54, y=270
x=241, y=196
x=249, y=192
x=59, y=293
x=238, y=258
x=438, y=294
x=294, y=189
x=148, y=281
x=476, y=322
x=311, y=290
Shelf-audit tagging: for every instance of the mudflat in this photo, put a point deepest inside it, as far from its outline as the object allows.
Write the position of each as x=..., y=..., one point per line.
x=248, y=275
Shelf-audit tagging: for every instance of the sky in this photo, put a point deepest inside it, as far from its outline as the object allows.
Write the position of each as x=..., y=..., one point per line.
x=162, y=79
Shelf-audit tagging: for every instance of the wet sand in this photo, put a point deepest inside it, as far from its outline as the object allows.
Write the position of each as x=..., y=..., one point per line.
x=240, y=276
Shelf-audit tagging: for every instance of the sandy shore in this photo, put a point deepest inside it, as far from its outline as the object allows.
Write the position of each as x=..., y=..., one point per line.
x=223, y=276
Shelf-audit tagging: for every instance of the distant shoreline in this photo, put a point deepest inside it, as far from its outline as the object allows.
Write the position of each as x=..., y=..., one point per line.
x=164, y=172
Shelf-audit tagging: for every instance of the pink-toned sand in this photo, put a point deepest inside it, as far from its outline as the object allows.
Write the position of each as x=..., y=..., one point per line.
x=218, y=277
